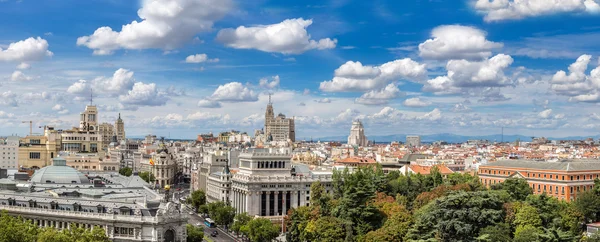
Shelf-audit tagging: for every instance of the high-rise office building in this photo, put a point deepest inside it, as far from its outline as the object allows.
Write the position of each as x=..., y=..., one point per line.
x=357, y=134
x=278, y=128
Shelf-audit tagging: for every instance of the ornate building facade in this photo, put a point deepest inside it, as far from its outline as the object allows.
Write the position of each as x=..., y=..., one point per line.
x=278, y=128
x=164, y=167
x=120, y=129
x=357, y=134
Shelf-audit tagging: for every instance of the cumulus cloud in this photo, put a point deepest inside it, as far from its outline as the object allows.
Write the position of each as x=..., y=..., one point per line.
x=5, y=115
x=143, y=95
x=60, y=109
x=205, y=103
x=306, y=91
x=165, y=24
x=354, y=76
x=460, y=108
x=415, y=102
x=120, y=82
x=434, y=115
x=545, y=114
x=498, y=10
x=23, y=66
x=31, y=49
x=379, y=97
x=234, y=92
x=577, y=85
x=457, y=42
x=199, y=58
x=464, y=74
x=19, y=76
x=287, y=37
x=265, y=83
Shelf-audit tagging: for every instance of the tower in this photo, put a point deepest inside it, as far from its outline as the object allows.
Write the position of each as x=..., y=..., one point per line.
x=88, y=120
x=357, y=134
x=120, y=129
x=269, y=117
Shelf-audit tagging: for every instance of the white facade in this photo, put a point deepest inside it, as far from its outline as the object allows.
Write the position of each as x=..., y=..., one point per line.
x=265, y=184
x=413, y=141
x=9, y=156
x=120, y=129
x=357, y=134
x=164, y=167
x=278, y=128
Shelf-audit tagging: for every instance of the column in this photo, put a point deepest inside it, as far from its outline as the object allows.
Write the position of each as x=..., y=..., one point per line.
x=284, y=203
x=277, y=202
x=268, y=196
x=293, y=199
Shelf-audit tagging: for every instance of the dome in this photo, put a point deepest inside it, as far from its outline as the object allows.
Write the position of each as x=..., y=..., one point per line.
x=59, y=172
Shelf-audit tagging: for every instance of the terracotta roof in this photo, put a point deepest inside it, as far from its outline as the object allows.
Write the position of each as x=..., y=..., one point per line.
x=357, y=160
x=425, y=170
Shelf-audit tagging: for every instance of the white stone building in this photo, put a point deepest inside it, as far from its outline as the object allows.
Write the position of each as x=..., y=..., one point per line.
x=357, y=134
x=9, y=158
x=266, y=183
x=278, y=128
x=164, y=166
x=60, y=196
x=413, y=141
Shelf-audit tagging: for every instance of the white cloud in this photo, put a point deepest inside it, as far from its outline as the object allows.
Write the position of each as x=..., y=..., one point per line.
x=545, y=114
x=348, y=47
x=353, y=76
x=287, y=37
x=378, y=97
x=5, y=115
x=290, y=59
x=234, y=92
x=324, y=100
x=205, y=103
x=306, y=91
x=143, y=95
x=60, y=109
x=415, y=102
x=79, y=88
x=120, y=82
x=8, y=98
x=434, y=115
x=199, y=58
x=460, y=107
x=578, y=86
x=464, y=74
x=457, y=42
x=273, y=84
x=23, y=66
x=31, y=49
x=498, y=10
x=203, y=116
x=18, y=76
x=165, y=24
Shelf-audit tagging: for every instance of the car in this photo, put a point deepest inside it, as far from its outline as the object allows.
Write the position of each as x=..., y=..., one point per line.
x=191, y=213
x=199, y=224
x=214, y=233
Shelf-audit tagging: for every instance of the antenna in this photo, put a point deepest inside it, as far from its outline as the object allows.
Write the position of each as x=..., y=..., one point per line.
x=270, y=99
x=91, y=96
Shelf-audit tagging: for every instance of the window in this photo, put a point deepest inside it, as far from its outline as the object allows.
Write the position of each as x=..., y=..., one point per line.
x=34, y=141
x=34, y=155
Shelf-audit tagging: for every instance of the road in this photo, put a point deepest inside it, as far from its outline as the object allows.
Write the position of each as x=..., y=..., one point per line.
x=195, y=219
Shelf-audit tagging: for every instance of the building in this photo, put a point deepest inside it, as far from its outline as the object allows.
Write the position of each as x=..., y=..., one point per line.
x=213, y=160
x=425, y=170
x=357, y=134
x=60, y=196
x=163, y=166
x=564, y=179
x=120, y=130
x=355, y=162
x=9, y=159
x=413, y=141
x=267, y=184
x=107, y=131
x=36, y=151
x=278, y=128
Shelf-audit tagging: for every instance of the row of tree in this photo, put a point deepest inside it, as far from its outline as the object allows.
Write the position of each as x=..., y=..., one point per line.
x=368, y=205
x=17, y=229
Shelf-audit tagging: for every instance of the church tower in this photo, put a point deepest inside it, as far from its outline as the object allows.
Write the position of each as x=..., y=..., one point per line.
x=120, y=129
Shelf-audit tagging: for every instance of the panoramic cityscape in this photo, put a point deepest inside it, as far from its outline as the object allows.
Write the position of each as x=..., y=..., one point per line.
x=299, y=121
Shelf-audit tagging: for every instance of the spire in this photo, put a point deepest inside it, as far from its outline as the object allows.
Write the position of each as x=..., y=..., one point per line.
x=119, y=116
x=270, y=99
x=91, y=96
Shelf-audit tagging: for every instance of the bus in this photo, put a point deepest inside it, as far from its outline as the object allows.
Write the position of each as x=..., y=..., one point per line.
x=209, y=223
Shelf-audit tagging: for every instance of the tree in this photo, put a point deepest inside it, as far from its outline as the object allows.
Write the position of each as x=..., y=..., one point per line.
x=518, y=188
x=527, y=215
x=547, y=207
x=260, y=230
x=588, y=204
x=394, y=228
x=297, y=221
x=326, y=229
x=221, y=213
x=239, y=221
x=495, y=233
x=53, y=235
x=14, y=229
x=526, y=234
x=458, y=217
x=125, y=171
x=197, y=199
x=147, y=176
x=203, y=209
x=194, y=234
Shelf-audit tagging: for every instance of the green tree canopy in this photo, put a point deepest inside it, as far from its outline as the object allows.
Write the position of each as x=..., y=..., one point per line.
x=194, y=234
x=260, y=230
x=147, y=176
x=221, y=213
x=125, y=171
x=240, y=220
x=518, y=188
x=197, y=199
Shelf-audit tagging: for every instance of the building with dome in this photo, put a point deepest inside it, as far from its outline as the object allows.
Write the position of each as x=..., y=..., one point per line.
x=127, y=208
x=164, y=165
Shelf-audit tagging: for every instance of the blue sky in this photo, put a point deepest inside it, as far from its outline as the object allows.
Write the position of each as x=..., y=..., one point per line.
x=185, y=67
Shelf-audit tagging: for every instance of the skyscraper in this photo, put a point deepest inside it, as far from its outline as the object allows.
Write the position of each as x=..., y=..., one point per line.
x=357, y=134
x=278, y=128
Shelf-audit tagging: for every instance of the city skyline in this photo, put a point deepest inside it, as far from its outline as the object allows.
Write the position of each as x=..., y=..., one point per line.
x=211, y=66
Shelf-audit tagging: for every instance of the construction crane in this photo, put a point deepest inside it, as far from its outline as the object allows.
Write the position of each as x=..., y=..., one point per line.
x=30, y=126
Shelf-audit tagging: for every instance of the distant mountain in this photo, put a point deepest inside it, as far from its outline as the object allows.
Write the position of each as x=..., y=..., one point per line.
x=451, y=138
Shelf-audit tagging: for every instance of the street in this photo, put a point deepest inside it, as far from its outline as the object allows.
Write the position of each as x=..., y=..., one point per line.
x=195, y=219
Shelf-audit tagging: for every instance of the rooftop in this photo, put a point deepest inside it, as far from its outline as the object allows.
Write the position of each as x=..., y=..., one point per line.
x=561, y=165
